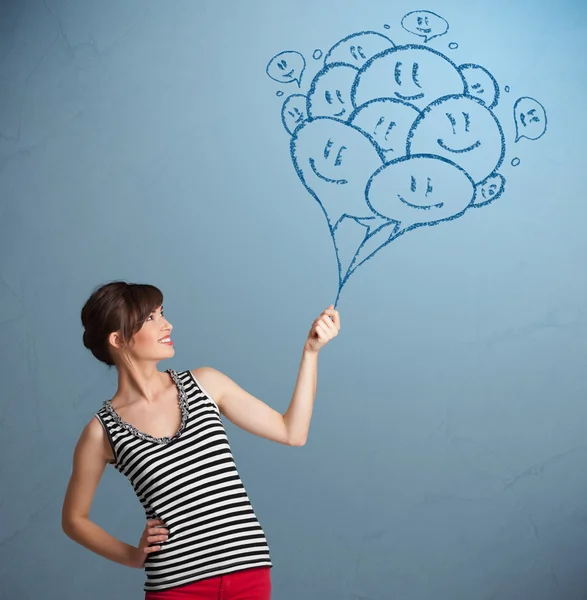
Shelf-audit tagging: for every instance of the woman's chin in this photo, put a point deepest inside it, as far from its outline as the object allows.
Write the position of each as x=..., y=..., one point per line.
x=164, y=354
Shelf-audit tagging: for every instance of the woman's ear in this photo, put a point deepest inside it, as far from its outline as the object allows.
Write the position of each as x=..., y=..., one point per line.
x=115, y=340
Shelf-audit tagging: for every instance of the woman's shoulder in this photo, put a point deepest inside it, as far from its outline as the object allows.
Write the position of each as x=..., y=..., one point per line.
x=205, y=372
x=210, y=380
x=94, y=438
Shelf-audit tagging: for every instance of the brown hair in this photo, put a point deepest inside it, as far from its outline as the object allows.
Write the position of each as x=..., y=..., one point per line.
x=116, y=306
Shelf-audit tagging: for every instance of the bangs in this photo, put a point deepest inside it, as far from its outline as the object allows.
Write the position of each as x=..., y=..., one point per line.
x=140, y=300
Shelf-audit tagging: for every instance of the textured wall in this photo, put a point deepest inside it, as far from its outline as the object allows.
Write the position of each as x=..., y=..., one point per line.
x=143, y=140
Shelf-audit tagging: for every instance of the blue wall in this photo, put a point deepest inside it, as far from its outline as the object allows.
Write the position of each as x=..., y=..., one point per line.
x=447, y=457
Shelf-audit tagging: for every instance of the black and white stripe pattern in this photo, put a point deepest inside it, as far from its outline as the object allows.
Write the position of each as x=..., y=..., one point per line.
x=189, y=481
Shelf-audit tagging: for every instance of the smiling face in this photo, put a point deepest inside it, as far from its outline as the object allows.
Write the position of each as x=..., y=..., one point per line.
x=460, y=134
x=286, y=67
x=387, y=122
x=462, y=130
x=413, y=74
x=334, y=161
x=293, y=112
x=152, y=342
x=419, y=190
x=423, y=24
x=329, y=94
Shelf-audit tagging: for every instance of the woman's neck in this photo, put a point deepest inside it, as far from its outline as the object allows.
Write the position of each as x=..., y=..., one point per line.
x=141, y=381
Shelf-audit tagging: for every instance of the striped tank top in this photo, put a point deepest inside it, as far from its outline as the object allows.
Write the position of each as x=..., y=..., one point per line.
x=191, y=483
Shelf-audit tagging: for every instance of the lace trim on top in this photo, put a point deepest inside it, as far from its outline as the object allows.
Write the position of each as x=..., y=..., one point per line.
x=183, y=405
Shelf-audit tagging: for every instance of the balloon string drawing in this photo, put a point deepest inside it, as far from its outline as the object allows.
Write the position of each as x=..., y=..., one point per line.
x=390, y=138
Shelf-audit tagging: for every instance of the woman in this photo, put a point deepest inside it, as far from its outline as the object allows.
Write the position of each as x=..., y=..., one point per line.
x=164, y=432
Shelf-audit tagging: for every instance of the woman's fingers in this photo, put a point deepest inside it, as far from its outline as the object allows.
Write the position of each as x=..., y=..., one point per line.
x=326, y=326
x=322, y=332
x=334, y=315
x=329, y=324
x=154, y=522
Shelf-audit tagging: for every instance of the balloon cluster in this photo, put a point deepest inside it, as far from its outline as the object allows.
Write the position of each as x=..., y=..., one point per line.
x=390, y=138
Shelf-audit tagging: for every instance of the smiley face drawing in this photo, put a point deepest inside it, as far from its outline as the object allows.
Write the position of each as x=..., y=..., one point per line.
x=387, y=122
x=293, y=112
x=419, y=190
x=412, y=73
x=334, y=161
x=424, y=23
x=490, y=189
x=287, y=67
x=462, y=130
x=329, y=94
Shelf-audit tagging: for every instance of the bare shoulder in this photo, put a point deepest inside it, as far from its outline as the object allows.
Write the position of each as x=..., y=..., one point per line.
x=93, y=439
x=212, y=382
x=93, y=431
x=206, y=373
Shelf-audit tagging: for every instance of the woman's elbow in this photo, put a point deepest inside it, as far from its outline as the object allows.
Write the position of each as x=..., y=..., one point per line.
x=69, y=525
x=67, y=528
x=297, y=442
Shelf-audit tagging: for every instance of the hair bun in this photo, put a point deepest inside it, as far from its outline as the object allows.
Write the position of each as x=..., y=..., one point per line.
x=87, y=340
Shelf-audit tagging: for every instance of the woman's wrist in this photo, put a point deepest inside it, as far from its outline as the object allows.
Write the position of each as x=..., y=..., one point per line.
x=136, y=558
x=309, y=350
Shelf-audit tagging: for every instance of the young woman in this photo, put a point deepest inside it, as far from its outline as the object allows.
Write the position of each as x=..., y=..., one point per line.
x=164, y=432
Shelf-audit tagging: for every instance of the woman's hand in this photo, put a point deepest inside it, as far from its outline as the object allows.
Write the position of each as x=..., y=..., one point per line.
x=324, y=328
x=154, y=532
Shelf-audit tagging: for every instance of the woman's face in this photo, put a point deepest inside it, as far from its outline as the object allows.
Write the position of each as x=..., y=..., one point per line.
x=152, y=341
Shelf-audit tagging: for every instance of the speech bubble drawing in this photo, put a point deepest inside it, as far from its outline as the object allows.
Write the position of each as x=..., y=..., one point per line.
x=463, y=130
x=481, y=84
x=530, y=118
x=356, y=49
x=294, y=112
x=330, y=92
x=424, y=23
x=419, y=190
x=387, y=122
x=334, y=161
x=413, y=73
x=287, y=67
x=489, y=190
